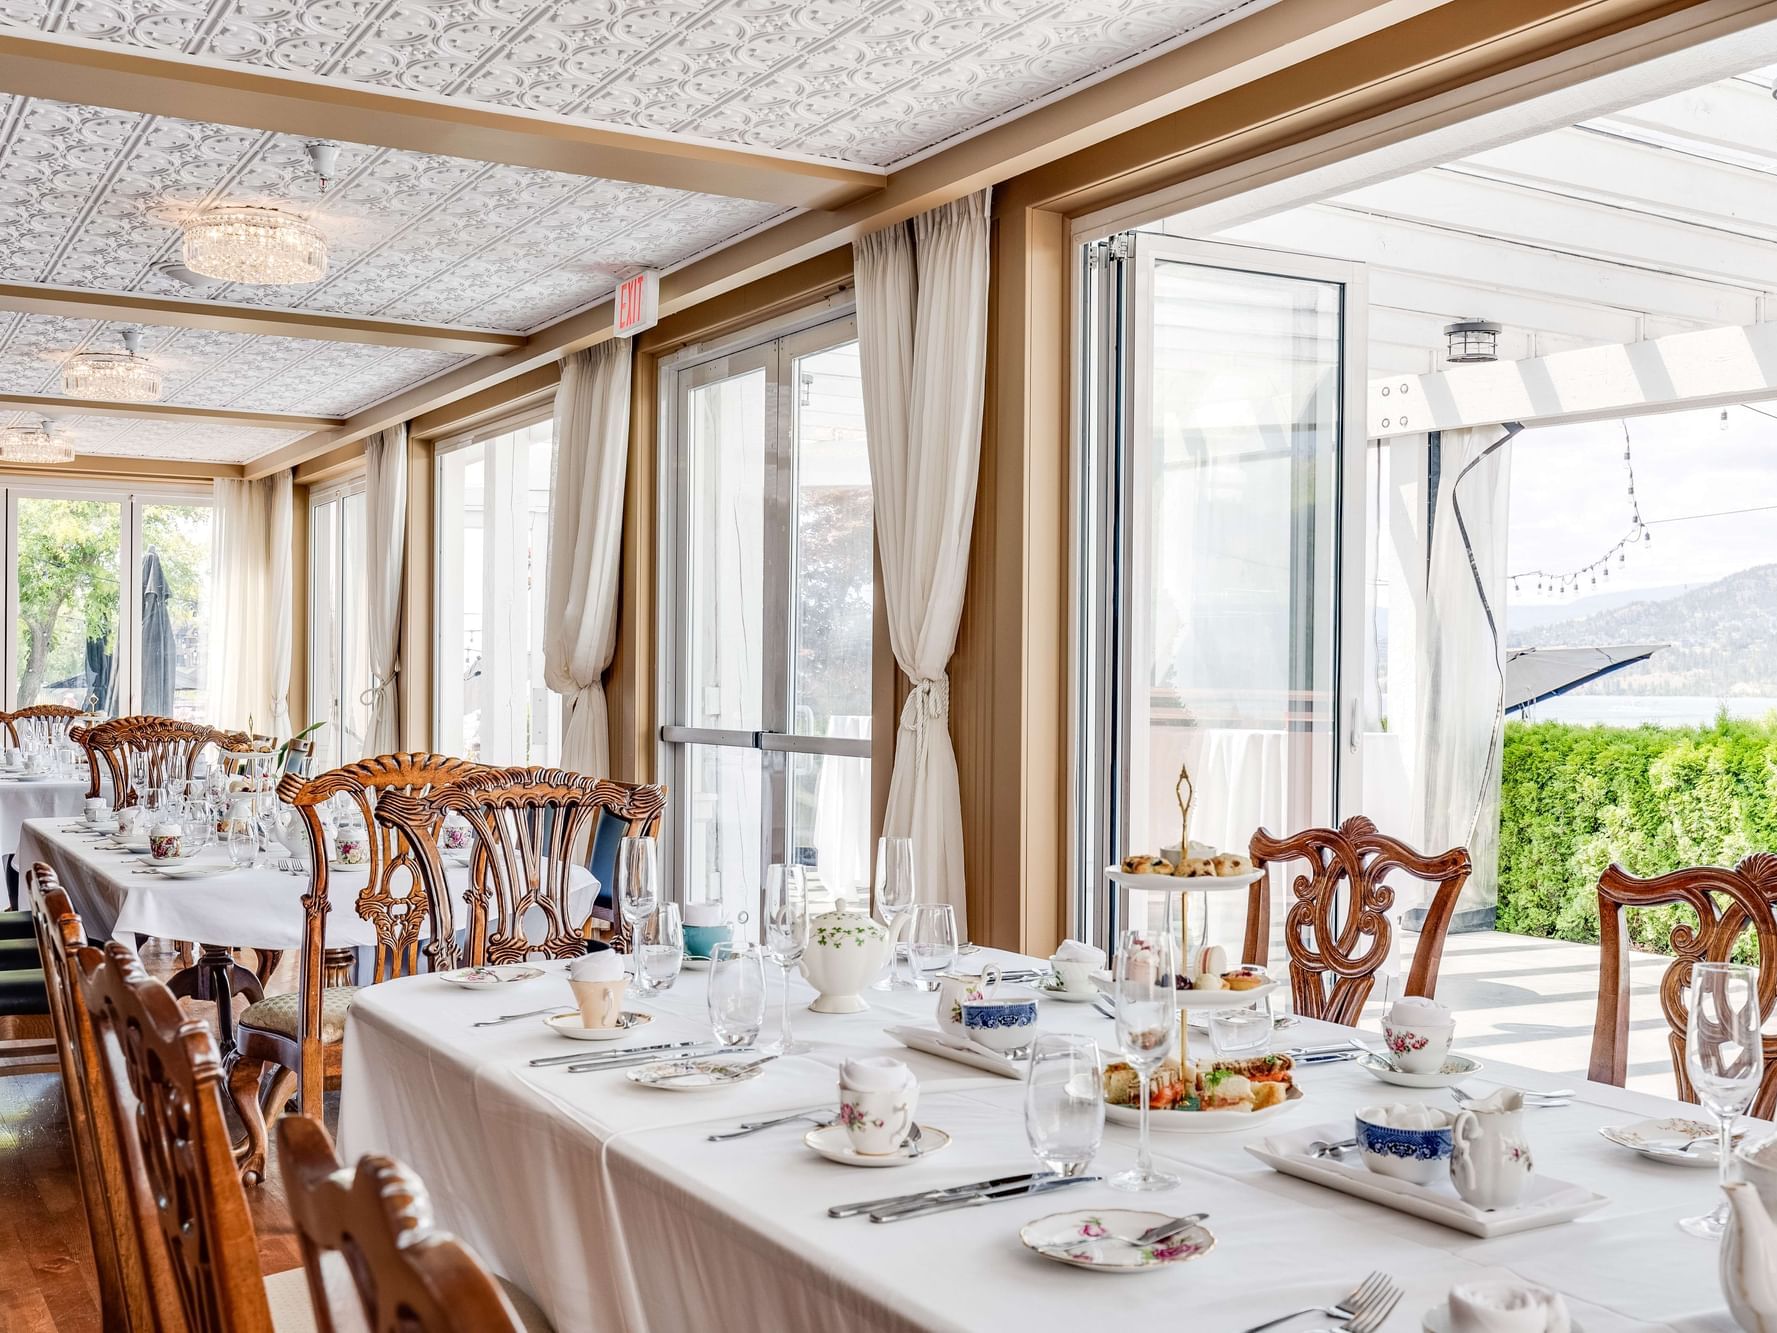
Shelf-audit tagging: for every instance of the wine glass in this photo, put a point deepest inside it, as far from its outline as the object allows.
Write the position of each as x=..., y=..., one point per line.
x=1064, y=1102
x=736, y=993
x=786, y=932
x=1147, y=1027
x=931, y=942
x=138, y=775
x=894, y=895
x=660, y=949
x=638, y=881
x=1725, y=1058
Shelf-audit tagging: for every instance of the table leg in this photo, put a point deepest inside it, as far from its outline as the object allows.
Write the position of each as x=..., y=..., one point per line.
x=265, y=962
x=339, y=967
x=217, y=976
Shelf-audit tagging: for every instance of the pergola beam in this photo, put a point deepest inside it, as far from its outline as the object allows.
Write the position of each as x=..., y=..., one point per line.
x=172, y=312
x=131, y=78
x=56, y=405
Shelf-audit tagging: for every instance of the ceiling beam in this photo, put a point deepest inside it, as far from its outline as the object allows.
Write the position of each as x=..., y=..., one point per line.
x=172, y=312
x=56, y=405
x=132, y=78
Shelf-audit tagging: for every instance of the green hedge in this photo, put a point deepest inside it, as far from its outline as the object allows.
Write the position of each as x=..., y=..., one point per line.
x=1574, y=799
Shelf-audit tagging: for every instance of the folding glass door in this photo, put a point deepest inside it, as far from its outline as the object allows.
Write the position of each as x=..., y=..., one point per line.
x=766, y=571
x=1223, y=485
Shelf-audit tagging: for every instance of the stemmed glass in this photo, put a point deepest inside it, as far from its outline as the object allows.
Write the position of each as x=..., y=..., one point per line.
x=660, y=949
x=1725, y=1058
x=638, y=882
x=736, y=993
x=931, y=942
x=1064, y=1102
x=894, y=895
x=138, y=775
x=1147, y=1027
x=786, y=932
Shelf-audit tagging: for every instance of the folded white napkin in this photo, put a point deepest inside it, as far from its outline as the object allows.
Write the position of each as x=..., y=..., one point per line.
x=1419, y=1012
x=702, y=914
x=1504, y=1306
x=605, y=965
x=874, y=1073
x=1072, y=951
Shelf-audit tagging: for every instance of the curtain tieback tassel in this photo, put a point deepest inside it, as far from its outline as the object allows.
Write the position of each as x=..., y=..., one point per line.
x=929, y=703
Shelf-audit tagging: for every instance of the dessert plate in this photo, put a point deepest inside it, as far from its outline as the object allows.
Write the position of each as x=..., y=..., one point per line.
x=694, y=1075
x=1662, y=1140
x=834, y=1143
x=1100, y=1239
x=485, y=978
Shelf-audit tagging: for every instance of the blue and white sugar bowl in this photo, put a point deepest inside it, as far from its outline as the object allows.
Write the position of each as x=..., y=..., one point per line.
x=1407, y=1141
x=1004, y=1024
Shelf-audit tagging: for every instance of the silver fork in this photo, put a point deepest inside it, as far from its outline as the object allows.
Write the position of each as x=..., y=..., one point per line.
x=1370, y=1320
x=1371, y=1290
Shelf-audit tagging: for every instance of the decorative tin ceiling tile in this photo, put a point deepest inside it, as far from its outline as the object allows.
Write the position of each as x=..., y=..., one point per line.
x=198, y=442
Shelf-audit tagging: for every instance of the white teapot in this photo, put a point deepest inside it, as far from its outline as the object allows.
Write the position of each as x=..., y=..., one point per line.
x=846, y=951
x=1749, y=1260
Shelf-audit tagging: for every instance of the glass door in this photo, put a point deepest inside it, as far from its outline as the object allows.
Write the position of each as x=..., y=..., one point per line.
x=68, y=631
x=766, y=563
x=1224, y=487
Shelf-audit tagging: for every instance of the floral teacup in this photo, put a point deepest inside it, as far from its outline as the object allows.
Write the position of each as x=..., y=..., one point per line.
x=878, y=1122
x=954, y=988
x=1418, y=1048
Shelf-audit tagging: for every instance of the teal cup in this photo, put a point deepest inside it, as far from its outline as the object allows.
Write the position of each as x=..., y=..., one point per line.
x=700, y=940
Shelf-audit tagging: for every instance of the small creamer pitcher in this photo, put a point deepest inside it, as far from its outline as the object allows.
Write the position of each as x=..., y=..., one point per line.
x=1489, y=1159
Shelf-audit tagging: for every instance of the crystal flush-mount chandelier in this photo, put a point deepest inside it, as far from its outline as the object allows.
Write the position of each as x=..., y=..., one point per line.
x=41, y=443
x=121, y=377
x=262, y=246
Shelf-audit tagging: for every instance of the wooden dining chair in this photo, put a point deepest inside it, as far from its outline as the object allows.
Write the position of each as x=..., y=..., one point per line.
x=40, y=724
x=299, y=1036
x=1337, y=929
x=1729, y=905
x=401, y=1274
x=171, y=747
x=530, y=829
x=178, y=1206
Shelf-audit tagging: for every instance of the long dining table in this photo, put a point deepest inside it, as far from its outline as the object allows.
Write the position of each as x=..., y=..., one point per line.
x=610, y=1205
x=36, y=796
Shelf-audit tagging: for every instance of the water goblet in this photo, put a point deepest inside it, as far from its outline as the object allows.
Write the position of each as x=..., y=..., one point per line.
x=1064, y=1102
x=660, y=949
x=1241, y=1030
x=1147, y=1026
x=931, y=942
x=894, y=895
x=638, y=880
x=786, y=933
x=736, y=993
x=1725, y=1058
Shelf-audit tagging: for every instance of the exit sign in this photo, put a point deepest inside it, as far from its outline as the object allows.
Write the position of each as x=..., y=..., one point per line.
x=638, y=303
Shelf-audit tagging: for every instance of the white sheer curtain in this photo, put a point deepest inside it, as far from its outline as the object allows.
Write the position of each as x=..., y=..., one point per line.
x=922, y=339
x=385, y=502
x=1461, y=734
x=586, y=546
x=250, y=638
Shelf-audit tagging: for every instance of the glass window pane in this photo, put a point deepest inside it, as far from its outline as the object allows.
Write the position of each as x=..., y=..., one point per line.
x=70, y=555
x=461, y=491
x=829, y=826
x=174, y=588
x=354, y=612
x=324, y=619
x=725, y=426
x=724, y=816
x=834, y=597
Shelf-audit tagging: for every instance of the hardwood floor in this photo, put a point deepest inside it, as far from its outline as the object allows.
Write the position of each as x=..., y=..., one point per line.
x=49, y=1285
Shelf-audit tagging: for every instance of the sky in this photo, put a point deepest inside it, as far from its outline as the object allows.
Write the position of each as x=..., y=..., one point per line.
x=1570, y=500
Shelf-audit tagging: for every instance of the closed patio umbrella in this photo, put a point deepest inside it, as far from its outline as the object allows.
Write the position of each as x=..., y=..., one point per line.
x=158, y=651
x=99, y=663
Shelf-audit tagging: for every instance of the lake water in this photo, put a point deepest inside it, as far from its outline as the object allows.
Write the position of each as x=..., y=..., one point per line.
x=1631, y=710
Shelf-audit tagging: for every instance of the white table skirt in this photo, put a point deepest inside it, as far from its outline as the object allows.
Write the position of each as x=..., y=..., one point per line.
x=608, y=1204
x=19, y=801
x=117, y=896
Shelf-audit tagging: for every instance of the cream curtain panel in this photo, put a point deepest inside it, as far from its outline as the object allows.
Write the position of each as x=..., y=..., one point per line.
x=251, y=632
x=1461, y=737
x=385, y=508
x=922, y=339
x=586, y=546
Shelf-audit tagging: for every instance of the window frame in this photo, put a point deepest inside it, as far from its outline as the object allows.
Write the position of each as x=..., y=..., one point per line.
x=331, y=493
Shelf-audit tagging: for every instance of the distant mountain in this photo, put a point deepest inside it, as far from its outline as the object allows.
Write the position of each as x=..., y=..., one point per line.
x=1723, y=637
x=1547, y=613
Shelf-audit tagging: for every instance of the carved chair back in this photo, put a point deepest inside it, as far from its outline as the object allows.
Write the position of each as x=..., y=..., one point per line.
x=60, y=937
x=162, y=1082
x=40, y=724
x=1337, y=929
x=169, y=747
x=406, y=1276
x=531, y=828
x=1729, y=905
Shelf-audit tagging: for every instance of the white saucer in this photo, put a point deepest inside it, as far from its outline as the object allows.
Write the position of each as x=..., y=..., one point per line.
x=1066, y=996
x=568, y=1025
x=692, y=963
x=1456, y=1068
x=699, y=1075
x=1437, y=1320
x=834, y=1143
x=486, y=978
x=1067, y=1239
x=190, y=869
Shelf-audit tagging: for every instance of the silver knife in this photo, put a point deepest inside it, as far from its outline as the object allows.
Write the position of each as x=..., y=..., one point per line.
x=925, y=1196
x=587, y=1057
x=651, y=1057
x=1040, y=1186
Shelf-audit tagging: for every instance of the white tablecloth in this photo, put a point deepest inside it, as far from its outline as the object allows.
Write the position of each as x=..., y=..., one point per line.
x=20, y=801
x=117, y=895
x=608, y=1204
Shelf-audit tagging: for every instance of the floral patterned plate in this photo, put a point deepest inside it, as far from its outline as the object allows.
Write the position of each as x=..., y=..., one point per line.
x=834, y=1143
x=484, y=978
x=1456, y=1068
x=1664, y=1140
x=697, y=1075
x=1100, y=1239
